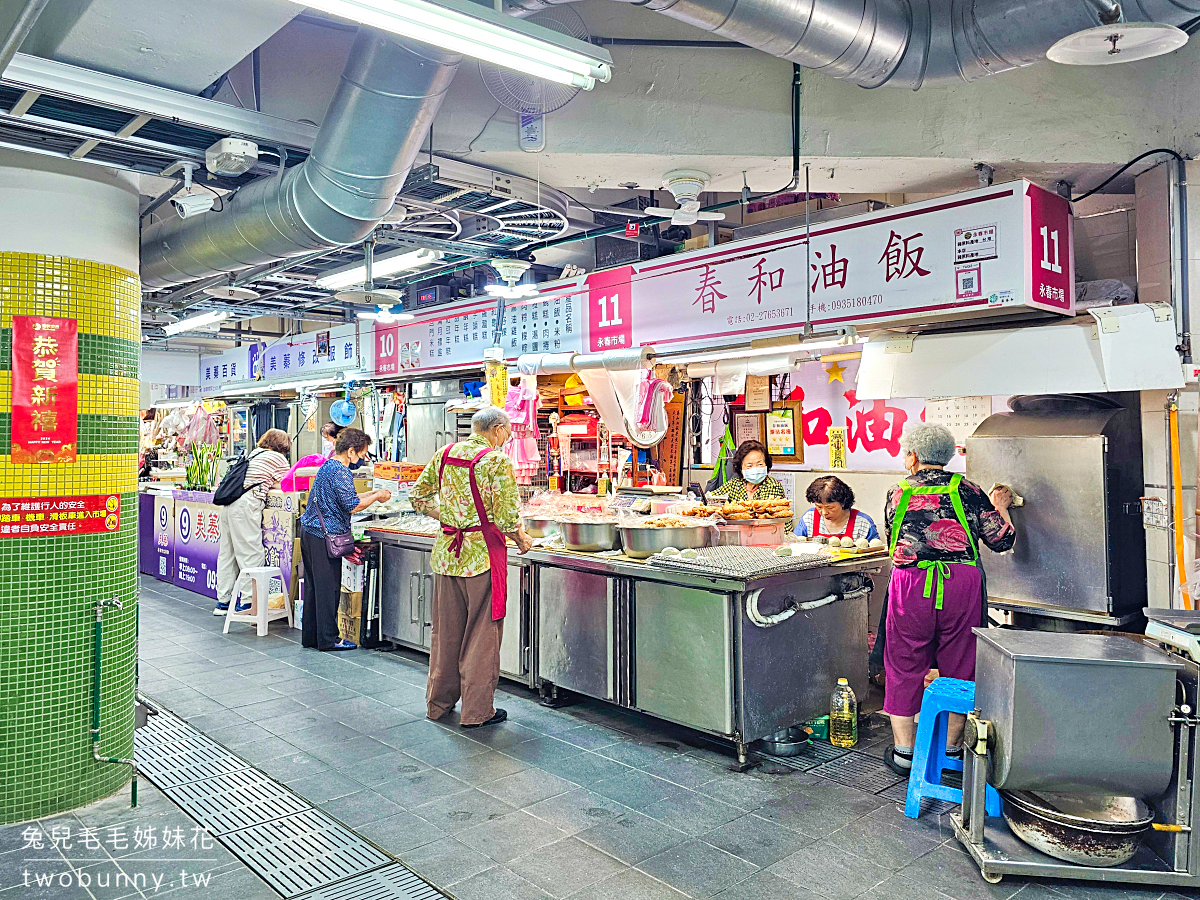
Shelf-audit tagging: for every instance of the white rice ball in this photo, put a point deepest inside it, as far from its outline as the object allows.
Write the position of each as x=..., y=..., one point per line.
x=846, y=542
x=875, y=543
x=861, y=544
x=669, y=551
x=689, y=553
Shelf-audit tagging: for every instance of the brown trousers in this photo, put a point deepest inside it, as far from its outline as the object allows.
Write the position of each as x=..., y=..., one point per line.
x=464, y=648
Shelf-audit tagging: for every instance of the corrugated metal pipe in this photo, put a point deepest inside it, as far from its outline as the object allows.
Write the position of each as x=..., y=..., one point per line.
x=389, y=93
x=898, y=42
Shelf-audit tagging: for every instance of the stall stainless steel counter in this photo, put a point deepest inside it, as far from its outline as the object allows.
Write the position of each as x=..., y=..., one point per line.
x=688, y=648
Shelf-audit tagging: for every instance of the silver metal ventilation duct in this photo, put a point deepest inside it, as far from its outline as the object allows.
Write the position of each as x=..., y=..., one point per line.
x=898, y=42
x=388, y=95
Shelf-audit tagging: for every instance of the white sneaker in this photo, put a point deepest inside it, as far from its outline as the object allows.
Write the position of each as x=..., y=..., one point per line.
x=220, y=612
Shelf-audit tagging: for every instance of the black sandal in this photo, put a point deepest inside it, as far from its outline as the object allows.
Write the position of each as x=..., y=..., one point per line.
x=891, y=754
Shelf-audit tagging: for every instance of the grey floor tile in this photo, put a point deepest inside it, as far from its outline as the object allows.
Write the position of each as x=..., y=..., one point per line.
x=206, y=722
x=361, y=807
x=692, y=813
x=632, y=838
x=585, y=768
x=307, y=721
x=410, y=734
x=577, y=810
x=765, y=886
x=484, y=767
x=956, y=874
x=900, y=888
x=837, y=874
x=636, y=789
x=565, y=867
x=506, y=734
x=498, y=883
x=697, y=869
x=527, y=787
x=638, y=754
x=384, y=769
x=881, y=843
x=352, y=752
x=628, y=885
x=542, y=751
x=591, y=737
x=400, y=833
x=815, y=817
x=757, y=840
x=446, y=862
x=461, y=811
x=293, y=767
x=1057, y=888
x=325, y=786
x=270, y=709
x=425, y=786
x=747, y=791
x=323, y=733
x=444, y=748
x=507, y=837
x=265, y=750
x=934, y=826
x=686, y=771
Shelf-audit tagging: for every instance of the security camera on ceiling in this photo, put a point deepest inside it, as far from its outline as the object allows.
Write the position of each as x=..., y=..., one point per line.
x=193, y=204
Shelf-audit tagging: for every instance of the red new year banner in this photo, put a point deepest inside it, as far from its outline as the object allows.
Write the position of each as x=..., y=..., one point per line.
x=45, y=389
x=59, y=516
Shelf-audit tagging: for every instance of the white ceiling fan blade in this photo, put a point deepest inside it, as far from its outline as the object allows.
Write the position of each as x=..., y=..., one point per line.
x=658, y=211
x=710, y=216
x=689, y=206
x=684, y=217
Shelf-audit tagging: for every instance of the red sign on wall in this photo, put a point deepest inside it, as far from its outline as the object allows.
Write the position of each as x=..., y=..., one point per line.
x=387, y=349
x=1050, y=257
x=59, y=516
x=610, y=310
x=45, y=389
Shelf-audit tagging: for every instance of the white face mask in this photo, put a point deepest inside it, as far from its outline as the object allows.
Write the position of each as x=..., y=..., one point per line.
x=756, y=475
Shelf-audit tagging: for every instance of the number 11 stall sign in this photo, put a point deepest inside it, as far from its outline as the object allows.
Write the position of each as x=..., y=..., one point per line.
x=993, y=251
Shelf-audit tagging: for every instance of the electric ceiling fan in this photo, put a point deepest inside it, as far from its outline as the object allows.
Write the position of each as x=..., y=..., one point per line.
x=685, y=186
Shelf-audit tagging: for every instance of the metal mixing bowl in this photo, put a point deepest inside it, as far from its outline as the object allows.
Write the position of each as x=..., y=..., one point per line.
x=1085, y=829
x=539, y=526
x=640, y=543
x=589, y=537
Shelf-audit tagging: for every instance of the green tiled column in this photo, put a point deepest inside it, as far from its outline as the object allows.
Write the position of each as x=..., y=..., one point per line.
x=49, y=585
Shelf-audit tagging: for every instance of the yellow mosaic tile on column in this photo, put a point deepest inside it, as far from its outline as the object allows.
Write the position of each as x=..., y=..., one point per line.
x=49, y=585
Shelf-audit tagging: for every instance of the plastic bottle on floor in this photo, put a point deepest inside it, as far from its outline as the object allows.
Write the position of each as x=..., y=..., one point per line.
x=843, y=715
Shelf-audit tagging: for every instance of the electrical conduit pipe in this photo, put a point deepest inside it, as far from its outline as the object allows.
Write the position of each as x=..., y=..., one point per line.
x=97, y=646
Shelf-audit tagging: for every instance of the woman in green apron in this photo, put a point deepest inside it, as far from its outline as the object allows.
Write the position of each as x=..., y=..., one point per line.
x=934, y=521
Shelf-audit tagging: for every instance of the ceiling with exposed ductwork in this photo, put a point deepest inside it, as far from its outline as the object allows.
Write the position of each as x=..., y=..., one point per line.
x=697, y=83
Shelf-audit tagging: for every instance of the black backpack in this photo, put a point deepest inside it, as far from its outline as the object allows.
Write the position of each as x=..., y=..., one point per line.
x=232, y=486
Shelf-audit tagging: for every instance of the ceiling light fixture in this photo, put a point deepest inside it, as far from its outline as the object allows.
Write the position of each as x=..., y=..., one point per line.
x=512, y=292
x=764, y=347
x=191, y=324
x=1116, y=40
x=384, y=315
x=479, y=31
x=383, y=266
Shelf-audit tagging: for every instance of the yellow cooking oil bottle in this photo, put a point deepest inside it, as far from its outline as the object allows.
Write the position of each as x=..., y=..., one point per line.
x=843, y=715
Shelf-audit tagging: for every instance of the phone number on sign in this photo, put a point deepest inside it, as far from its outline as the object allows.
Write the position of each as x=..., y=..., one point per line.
x=762, y=315
x=855, y=302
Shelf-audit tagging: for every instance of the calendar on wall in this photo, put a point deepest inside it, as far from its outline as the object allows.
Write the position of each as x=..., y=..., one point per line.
x=961, y=415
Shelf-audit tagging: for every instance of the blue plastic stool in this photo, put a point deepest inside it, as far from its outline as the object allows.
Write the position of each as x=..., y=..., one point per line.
x=942, y=697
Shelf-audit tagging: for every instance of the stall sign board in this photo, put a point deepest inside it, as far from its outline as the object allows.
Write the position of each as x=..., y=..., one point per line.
x=279, y=523
x=548, y=323
x=45, y=390
x=59, y=516
x=230, y=367
x=197, y=539
x=314, y=354
x=995, y=250
x=781, y=432
x=164, y=538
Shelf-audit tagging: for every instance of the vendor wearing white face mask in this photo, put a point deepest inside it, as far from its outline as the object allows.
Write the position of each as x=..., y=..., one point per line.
x=750, y=480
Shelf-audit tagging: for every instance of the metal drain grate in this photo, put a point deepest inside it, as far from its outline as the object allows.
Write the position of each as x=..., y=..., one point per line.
x=388, y=883
x=235, y=800
x=857, y=770
x=303, y=852
x=163, y=729
x=814, y=754
x=187, y=760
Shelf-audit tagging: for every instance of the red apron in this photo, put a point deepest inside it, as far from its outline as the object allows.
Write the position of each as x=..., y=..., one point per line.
x=492, y=536
x=849, y=532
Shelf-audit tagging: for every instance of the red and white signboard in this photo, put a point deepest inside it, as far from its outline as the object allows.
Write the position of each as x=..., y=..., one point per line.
x=1002, y=249
x=59, y=516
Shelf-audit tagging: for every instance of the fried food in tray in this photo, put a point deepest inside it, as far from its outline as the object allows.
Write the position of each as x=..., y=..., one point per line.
x=757, y=509
x=701, y=512
x=665, y=522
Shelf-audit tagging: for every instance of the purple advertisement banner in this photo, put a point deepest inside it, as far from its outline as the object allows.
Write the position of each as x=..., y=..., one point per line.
x=164, y=538
x=197, y=539
x=279, y=518
x=147, y=563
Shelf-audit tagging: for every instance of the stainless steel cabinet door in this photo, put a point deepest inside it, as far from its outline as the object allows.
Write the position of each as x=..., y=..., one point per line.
x=575, y=631
x=512, y=647
x=683, y=655
x=401, y=594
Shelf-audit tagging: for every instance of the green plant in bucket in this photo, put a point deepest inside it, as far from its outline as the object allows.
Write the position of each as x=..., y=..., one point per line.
x=201, y=469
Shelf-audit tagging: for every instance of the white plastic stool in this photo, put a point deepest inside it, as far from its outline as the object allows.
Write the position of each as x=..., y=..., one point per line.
x=258, y=580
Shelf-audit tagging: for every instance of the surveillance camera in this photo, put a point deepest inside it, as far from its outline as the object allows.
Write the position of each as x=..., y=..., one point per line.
x=193, y=204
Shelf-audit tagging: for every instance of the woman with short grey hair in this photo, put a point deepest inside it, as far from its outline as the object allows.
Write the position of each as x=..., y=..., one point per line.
x=934, y=520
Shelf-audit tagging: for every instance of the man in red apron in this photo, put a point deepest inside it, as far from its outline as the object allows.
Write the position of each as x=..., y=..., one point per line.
x=470, y=488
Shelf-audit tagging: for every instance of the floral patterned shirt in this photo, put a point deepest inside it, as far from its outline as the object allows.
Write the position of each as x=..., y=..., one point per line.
x=450, y=501
x=931, y=530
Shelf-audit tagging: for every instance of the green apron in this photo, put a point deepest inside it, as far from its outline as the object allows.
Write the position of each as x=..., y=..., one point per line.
x=941, y=568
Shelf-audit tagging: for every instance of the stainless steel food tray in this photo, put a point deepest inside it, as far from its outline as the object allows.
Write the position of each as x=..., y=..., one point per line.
x=741, y=562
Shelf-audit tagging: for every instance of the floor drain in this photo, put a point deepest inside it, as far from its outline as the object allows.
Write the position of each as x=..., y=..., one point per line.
x=858, y=771
x=811, y=756
x=303, y=852
x=235, y=800
x=294, y=848
x=388, y=883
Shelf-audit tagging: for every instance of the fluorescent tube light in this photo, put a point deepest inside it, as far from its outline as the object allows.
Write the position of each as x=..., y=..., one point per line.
x=512, y=292
x=381, y=267
x=480, y=32
x=768, y=347
x=200, y=321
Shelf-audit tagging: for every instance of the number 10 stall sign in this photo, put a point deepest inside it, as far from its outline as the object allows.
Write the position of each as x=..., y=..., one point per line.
x=994, y=251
